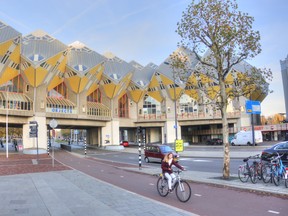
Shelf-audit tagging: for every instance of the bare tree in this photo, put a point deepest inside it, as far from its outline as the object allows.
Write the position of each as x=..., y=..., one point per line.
x=221, y=37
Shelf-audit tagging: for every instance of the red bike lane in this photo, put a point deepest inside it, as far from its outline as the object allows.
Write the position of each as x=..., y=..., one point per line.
x=205, y=200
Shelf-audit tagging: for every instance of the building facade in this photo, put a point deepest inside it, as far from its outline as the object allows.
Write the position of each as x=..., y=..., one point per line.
x=42, y=79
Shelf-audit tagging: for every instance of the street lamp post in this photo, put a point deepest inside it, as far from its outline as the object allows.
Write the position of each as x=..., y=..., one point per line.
x=175, y=109
x=7, y=114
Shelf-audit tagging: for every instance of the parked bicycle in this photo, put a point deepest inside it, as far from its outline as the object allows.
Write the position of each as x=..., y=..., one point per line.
x=182, y=188
x=274, y=171
x=278, y=170
x=253, y=171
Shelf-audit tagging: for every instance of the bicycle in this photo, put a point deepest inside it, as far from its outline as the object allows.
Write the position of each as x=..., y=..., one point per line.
x=274, y=170
x=254, y=171
x=279, y=171
x=182, y=188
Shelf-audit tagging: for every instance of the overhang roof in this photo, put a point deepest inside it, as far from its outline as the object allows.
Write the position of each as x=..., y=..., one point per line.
x=42, y=45
x=7, y=33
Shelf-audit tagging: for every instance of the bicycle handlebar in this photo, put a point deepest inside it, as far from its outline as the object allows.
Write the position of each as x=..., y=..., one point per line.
x=252, y=157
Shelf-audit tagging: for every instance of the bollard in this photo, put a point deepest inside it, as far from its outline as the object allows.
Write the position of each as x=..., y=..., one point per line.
x=85, y=152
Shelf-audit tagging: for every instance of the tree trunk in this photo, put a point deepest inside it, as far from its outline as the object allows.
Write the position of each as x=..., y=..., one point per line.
x=225, y=128
x=226, y=145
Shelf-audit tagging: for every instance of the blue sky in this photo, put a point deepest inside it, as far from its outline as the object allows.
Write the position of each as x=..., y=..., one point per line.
x=144, y=30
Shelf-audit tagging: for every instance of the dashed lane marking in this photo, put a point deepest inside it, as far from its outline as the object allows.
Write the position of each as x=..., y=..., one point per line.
x=273, y=212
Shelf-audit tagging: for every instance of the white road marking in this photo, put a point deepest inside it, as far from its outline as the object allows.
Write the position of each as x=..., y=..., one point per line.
x=199, y=195
x=195, y=160
x=151, y=184
x=273, y=212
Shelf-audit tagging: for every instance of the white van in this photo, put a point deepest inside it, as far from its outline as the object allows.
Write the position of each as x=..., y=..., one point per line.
x=245, y=138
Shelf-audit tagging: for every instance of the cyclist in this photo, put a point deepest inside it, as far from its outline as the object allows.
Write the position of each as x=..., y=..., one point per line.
x=167, y=171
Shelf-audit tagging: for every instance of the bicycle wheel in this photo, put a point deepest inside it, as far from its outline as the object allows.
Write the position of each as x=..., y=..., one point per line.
x=243, y=173
x=183, y=191
x=266, y=173
x=162, y=186
x=253, y=174
x=286, y=183
x=276, y=176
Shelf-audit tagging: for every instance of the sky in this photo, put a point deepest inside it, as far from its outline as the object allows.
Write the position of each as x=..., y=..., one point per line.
x=144, y=30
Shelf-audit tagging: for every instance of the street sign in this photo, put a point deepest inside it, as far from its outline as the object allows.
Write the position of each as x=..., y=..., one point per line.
x=33, y=131
x=253, y=107
x=179, y=147
x=53, y=123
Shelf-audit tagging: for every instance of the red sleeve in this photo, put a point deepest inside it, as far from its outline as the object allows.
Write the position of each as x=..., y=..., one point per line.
x=178, y=165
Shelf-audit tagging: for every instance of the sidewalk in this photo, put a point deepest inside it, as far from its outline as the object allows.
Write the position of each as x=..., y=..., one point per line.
x=71, y=192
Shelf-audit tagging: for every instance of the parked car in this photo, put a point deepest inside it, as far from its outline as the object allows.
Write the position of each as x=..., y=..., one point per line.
x=215, y=141
x=157, y=152
x=280, y=148
x=125, y=143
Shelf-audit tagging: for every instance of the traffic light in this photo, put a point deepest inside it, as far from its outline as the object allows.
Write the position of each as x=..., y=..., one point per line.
x=139, y=129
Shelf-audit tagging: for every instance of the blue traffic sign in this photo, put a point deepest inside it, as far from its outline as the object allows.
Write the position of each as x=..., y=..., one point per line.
x=253, y=107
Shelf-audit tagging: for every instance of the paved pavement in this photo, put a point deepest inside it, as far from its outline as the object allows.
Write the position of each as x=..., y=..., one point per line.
x=71, y=192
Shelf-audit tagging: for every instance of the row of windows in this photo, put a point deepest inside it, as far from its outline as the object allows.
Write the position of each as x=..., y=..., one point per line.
x=16, y=105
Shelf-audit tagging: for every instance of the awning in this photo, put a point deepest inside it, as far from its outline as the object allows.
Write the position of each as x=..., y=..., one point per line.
x=59, y=101
x=95, y=105
x=12, y=96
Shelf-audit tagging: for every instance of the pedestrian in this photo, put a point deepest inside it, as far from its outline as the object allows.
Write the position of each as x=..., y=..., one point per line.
x=1, y=142
x=167, y=163
x=15, y=144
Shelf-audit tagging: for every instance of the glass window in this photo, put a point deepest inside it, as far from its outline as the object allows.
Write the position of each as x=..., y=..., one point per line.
x=151, y=106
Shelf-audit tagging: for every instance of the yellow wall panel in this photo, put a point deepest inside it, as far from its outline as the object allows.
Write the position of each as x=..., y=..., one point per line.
x=62, y=65
x=166, y=80
x=74, y=83
x=154, y=82
x=229, y=78
x=55, y=82
x=53, y=60
x=30, y=73
x=156, y=95
x=99, y=75
x=136, y=95
x=83, y=83
x=109, y=89
x=193, y=94
x=15, y=55
x=9, y=74
x=92, y=88
x=94, y=70
x=4, y=47
x=40, y=75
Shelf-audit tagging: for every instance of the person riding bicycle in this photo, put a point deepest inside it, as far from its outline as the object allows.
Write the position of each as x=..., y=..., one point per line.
x=167, y=171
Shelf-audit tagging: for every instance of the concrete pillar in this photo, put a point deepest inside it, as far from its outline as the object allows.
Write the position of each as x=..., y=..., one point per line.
x=110, y=133
x=30, y=144
x=275, y=135
x=169, y=130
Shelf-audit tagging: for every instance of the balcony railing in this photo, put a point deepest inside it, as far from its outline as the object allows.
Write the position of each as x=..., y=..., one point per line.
x=152, y=117
x=202, y=115
x=189, y=116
